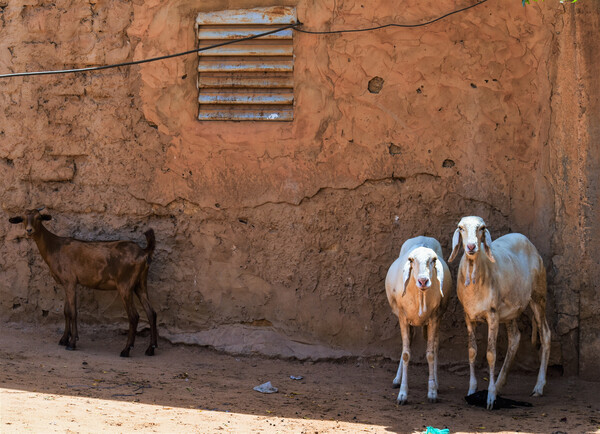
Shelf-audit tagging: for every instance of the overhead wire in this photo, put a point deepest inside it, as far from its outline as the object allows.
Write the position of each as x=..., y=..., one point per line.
x=153, y=59
x=294, y=27
x=383, y=26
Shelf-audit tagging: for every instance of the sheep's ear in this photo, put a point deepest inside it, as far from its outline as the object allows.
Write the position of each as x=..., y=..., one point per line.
x=456, y=242
x=487, y=242
x=15, y=220
x=46, y=217
x=405, y=275
x=439, y=272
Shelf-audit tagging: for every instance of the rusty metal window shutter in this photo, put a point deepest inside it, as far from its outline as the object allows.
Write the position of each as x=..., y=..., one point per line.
x=250, y=80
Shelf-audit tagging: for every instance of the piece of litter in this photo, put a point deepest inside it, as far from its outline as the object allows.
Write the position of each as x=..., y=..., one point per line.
x=479, y=399
x=294, y=377
x=266, y=388
x=432, y=430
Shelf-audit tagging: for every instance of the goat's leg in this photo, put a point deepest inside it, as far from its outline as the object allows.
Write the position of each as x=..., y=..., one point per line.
x=71, y=305
x=493, y=324
x=540, y=318
x=514, y=336
x=404, y=328
x=436, y=346
x=432, y=331
x=472, y=355
x=133, y=316
x=64, y=340
x=398, y=378
x=141, y=291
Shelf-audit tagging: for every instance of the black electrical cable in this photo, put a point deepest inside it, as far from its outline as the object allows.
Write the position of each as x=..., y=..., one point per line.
x=153, y=59
x=315, y=32
x=234, y=41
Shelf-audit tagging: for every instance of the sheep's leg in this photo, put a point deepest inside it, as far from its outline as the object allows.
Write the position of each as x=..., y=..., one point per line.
x=514, y=336
x=71, y=306
x=493, y=324
x=472, y=355
x=133, y=317
x=432, y=331
x=141, y=291
x=404, y=328
x=64, y=340
x=540, y=318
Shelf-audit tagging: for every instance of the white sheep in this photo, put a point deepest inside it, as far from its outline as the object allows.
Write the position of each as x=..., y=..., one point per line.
x=497, y=287
x=419, y=301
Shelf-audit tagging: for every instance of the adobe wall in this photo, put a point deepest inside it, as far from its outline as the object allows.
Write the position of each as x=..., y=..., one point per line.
x=276, y=237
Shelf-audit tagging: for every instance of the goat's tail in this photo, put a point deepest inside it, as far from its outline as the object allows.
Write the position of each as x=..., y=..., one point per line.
x=151, y=244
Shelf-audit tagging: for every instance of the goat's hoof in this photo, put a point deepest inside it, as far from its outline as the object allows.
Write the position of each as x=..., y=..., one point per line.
x=395, y=385
x=70, y=347
x=432, y=400
x=125, y=353
x=150, y=351
x=401, y=401
x=63, y=342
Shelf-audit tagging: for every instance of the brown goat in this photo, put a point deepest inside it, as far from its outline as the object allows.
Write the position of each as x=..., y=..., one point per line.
x=106, y=265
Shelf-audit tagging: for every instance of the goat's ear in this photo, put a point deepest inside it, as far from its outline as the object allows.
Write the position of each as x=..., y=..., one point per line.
x=456, y=241
x=487, y=243
x=46, y=217
x=405, y=275
x=439, y=272
x=15, y=220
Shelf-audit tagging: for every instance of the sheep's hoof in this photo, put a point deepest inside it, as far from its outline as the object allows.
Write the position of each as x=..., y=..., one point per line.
x=432, y=400
x=70, y=347
x=150, y=351
x=125, y=353
x=401, y=401
x=63, y=342
x=395, y=385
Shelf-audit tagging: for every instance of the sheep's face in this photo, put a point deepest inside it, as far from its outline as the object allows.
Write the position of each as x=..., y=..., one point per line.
x=32, y=221
x=421, y=263
x=472, y=233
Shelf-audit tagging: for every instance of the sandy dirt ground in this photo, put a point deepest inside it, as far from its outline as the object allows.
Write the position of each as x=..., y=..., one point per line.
x=44, y=388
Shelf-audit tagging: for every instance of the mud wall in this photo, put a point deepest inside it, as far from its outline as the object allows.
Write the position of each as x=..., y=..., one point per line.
x=276, y=237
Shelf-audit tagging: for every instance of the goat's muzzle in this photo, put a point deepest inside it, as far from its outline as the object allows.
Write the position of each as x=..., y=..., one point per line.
x=423, y=283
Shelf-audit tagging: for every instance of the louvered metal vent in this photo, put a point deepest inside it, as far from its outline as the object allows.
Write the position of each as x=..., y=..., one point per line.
x=249, y=80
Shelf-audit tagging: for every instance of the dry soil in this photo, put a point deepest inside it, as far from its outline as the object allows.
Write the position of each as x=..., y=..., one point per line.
x=192, y=389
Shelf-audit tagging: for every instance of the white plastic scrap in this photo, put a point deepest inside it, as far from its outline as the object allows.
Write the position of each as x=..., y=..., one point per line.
x=266, y=388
